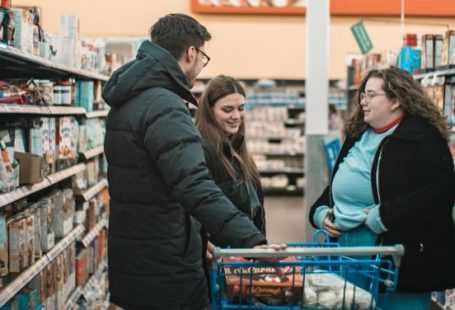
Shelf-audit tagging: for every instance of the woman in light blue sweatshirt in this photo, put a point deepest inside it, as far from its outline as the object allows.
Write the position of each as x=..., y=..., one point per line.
x=394, y=183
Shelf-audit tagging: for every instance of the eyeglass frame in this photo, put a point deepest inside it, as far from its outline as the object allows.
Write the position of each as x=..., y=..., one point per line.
x=205, y=55
x=367, y=96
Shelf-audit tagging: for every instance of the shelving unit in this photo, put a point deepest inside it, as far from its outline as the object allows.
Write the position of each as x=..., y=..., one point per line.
x=26, y=276
x=17, y=64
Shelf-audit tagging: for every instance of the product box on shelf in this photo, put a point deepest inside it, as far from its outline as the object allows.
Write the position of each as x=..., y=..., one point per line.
x=428, y=51
x=30, y=238
x=438, y=46
x=59, y=282
x=34, y=211
x=81, y=267
x=46, y=207
x=3, y=250
x=50, y=286
x=32, y=168
x=64, y=208
x=67, y=138
x=9, y=169
x=449, y=104
x=23, y=32
x=85, y=95
x=16, y=237
x=448, y=49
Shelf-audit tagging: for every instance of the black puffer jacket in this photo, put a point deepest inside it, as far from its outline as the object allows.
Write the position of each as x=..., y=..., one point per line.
x=413, y=181
x=160, y=190
x=235, y=190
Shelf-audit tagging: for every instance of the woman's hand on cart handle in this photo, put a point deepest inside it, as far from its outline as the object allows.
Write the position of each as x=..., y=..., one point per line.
x=329, y=226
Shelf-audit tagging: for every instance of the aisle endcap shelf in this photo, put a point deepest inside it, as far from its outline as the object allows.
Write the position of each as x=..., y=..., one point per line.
x=26, y=276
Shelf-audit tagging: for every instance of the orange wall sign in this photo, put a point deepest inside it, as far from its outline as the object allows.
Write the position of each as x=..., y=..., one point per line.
x=422, y=8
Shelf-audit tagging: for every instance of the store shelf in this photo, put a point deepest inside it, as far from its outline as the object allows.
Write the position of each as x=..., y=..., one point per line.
x=23, y=109
x=61, y=175
x=27, y=190
x=93, y=152
x=100, y=113
x=73, y=298
x=435, y=73
x=92, y=191
x=293, y=171
x=94, y=233
x=48, y=110
x=62, y=110
x=18, y=64
x=353, y=87
x=26, y=276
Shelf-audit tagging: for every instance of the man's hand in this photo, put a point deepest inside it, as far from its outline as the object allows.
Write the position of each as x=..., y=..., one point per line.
x=273, y=259
x=209, y=252
x=329, y=226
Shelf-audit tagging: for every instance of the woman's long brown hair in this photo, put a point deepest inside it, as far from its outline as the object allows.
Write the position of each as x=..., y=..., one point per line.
x=220, y=87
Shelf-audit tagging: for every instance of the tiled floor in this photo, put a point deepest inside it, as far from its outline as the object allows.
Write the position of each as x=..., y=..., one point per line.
x=284, y=219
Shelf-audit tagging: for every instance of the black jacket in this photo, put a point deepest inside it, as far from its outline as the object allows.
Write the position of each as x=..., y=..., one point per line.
x=160, y=189
x=235, y=190
x=413, y=180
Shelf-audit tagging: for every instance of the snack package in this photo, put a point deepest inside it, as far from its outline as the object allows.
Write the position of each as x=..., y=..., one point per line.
x=262, y=285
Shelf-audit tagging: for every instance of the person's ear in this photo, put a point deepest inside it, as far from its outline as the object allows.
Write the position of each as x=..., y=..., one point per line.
x=395, y=104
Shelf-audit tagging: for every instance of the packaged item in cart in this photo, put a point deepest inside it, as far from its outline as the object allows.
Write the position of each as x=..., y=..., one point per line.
x=330, y=291
x=262, y=285
x=3, y=250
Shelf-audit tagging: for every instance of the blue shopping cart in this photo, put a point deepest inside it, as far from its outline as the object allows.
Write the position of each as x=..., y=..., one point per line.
x=311, y=275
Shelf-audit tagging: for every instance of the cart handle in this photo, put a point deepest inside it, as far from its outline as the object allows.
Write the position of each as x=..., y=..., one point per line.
x=396, y=251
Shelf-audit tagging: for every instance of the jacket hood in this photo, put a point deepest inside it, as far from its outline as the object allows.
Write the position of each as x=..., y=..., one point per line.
x=153, y=67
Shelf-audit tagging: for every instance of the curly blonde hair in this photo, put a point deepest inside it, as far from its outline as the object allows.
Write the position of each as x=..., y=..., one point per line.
x=398, y=84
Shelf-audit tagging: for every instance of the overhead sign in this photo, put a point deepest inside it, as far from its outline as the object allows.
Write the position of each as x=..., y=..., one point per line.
x=361, y=36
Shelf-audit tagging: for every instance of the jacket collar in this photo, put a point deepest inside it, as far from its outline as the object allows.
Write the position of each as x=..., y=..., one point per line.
x=412, y=128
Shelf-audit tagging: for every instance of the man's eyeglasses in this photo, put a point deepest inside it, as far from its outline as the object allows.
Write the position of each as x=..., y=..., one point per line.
x=368, y=96
x=206, y=57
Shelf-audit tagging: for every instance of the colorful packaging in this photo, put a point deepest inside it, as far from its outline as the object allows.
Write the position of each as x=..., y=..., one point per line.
x=3, y=250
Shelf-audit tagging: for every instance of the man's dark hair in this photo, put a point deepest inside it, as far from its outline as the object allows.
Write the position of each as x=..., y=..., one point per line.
x=177, y=32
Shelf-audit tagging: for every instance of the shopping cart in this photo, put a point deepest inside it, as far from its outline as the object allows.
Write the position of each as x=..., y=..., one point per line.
x=311, y=275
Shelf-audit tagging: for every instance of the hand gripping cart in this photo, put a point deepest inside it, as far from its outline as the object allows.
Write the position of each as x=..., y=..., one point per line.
x=313, y=275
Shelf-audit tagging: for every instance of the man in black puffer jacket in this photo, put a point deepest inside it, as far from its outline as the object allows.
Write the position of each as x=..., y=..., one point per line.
x=160, y=189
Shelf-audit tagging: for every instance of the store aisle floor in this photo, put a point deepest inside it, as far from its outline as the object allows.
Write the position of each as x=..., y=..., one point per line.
x=284, y=218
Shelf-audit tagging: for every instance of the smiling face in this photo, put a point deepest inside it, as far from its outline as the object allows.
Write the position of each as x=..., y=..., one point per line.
x=378, y=110
x=229, y=113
